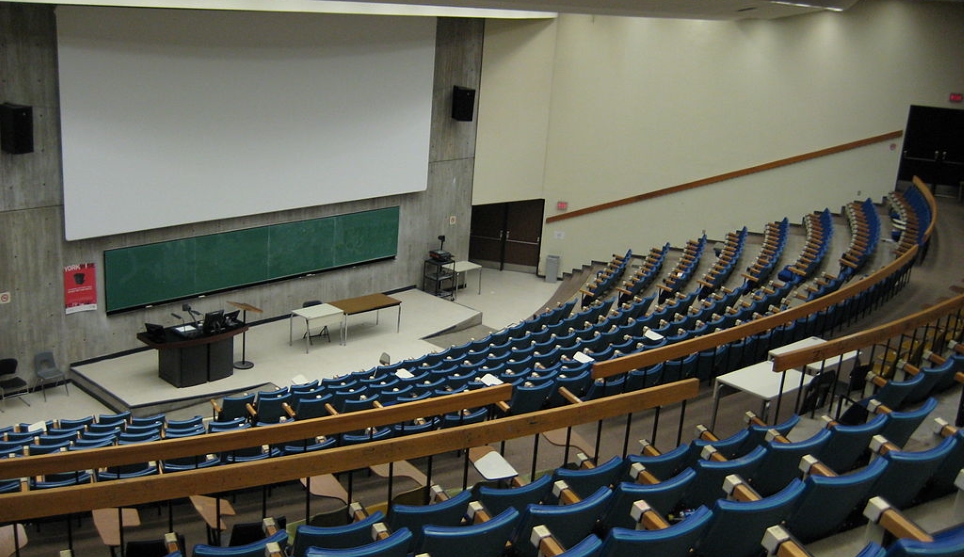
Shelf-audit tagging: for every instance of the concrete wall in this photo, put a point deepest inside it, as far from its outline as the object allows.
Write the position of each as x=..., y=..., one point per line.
x=636, y=105
x=33, y=251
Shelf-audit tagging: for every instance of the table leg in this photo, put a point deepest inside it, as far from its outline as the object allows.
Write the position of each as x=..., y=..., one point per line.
x=344, y=329
x=307, y=335
x=480, y=281
x=716, y=404
x=291, y=329
x=398, y=322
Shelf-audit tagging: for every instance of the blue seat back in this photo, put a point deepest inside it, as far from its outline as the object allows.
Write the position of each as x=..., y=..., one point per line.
x=848, y=443
x=254, y=549
x=908, y=471
x=585, y=482
x=484, y=539
x=664, y=497
x=496, y=501
x=737, y=527
x=414, y=517
x=782, y=462
x=335, y=537
x=395, y=545
x=676, y=541
x=901, y=425
x=827, y=501
x=708, y=485
x=568, y=523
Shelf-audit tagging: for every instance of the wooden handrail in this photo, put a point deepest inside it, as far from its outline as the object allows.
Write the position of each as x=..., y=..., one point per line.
x=862, y=339
x=726, y=176
x=678, y=350
x=252, y=437
x=27, y=505
x=931, y=203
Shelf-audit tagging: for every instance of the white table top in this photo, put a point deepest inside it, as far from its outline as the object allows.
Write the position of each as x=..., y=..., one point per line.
x=462, y=266
x=805, y=343
x=760, y=380
x=317, y=311
x=493, y=466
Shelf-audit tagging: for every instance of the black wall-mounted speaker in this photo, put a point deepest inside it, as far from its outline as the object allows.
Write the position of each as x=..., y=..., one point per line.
x=463, y=103
x=16, y=128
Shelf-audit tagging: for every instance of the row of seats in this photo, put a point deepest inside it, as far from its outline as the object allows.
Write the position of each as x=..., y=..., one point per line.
x=605, y=280
x=819, y=230
x=677, y=279
x=599, y=507
x=644, y=276
x=726, y=261
x=775, y=236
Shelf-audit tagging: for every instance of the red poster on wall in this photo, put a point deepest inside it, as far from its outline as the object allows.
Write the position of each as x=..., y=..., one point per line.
x=80, y=288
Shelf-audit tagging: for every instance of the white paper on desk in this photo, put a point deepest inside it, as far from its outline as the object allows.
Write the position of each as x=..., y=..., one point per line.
x=652, y=335
x=403, y=373
x=299, y=379
x=490, y=380
x=583, y=358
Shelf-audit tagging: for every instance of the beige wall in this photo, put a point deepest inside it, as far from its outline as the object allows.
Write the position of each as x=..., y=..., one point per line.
x=33, y=251
x=637, y=105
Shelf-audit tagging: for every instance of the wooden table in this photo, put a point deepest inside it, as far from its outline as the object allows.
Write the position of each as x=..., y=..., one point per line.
x=364, y=304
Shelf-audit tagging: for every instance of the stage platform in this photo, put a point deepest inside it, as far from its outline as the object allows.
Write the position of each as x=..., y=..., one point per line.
x=131, y=382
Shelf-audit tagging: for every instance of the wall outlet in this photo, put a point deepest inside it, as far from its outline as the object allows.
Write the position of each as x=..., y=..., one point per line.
x=452, y=220
x=4, y=297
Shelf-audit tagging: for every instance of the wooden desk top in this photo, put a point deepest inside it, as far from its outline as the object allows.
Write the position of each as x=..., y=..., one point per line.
x=207, y=507
x=370, y=302
x=105, y=520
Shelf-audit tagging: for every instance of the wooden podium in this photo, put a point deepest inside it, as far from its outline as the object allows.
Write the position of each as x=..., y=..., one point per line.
x=244, y=363
x=184, y=362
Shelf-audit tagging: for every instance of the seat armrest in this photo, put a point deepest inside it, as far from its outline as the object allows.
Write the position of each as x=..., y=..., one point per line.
x=778, y=542
x=646, y=517
x=885, y=518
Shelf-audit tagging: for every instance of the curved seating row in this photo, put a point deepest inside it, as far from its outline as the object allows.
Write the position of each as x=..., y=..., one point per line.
x=819, y=229
x=680, y=275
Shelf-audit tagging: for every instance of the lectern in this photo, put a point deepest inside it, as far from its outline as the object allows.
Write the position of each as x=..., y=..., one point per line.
x=186, y=361
x=244, y=363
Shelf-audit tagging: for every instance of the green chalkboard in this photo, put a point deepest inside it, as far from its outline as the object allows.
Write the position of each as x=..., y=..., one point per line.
x=140, y=276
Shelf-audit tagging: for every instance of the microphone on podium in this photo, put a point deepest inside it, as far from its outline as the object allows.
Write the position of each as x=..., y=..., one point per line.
x=176, y=316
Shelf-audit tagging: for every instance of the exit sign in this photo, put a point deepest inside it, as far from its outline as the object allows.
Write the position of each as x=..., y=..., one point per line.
x=956, y=97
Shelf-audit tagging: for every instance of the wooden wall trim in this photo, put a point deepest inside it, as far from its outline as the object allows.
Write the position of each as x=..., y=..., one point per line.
x=726, y=176
x=27, y=505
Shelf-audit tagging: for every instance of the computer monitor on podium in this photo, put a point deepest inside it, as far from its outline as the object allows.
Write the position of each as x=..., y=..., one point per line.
x=213, y=322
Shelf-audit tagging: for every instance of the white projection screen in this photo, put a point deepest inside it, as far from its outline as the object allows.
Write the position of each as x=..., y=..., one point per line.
x=180, y=116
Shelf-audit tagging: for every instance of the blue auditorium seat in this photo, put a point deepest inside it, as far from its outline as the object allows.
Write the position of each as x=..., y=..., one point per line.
x=677, y=540
x=485, y=539
x=737, y=527
x=497, y=500
x=827, y=501
x=569, y=524
x=354, y=534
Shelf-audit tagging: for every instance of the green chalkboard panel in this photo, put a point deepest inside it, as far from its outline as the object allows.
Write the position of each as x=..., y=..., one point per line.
x=140, y=276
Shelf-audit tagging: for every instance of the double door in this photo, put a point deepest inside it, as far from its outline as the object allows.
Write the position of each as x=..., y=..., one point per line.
x=934, y=147
x=507, y=235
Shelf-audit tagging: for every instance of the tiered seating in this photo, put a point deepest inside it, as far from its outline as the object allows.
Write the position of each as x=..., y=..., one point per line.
x=726, y=261
x=819, y=229
x=910, y=216
x=865, y=235
x=774, y=241
x=681, y=274
x=606, y=279
x=644, y=276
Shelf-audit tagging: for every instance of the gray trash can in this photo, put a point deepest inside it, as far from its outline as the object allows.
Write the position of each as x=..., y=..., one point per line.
x=552, y=268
